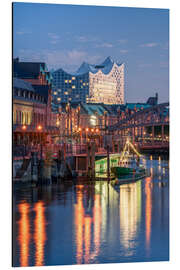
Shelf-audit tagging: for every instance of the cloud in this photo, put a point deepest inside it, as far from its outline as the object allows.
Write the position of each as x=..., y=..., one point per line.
x=53, y=35
x=70, y=60
x=144, y=65
x=122, y=41
x=83, y=39
x=149, y=45
x=164, y=64
x=23, y=32
x=86, y=39
x=53, y=41
x=104, y=45
x=123, y=51
x=166, y=46
x=54, y=38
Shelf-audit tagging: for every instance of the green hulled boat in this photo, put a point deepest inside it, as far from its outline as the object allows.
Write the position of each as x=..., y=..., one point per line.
x=127, y=175
x=121, y=171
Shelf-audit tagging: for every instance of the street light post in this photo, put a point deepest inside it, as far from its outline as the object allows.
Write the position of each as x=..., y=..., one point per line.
x=24, y=127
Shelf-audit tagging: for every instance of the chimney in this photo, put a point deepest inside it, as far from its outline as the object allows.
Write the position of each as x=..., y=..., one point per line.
x=156, y=98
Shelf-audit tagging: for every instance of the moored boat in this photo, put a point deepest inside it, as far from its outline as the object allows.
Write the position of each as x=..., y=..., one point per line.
x=133, y=175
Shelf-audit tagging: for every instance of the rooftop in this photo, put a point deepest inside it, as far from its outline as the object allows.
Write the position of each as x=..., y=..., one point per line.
x=18, y=83
x=106, y=66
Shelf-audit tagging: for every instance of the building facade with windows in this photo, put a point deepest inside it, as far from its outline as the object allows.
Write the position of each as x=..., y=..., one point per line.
x=33, y=119
x=103, y=83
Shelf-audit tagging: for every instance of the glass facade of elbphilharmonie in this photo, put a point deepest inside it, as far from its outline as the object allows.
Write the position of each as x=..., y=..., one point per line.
x=103, y=83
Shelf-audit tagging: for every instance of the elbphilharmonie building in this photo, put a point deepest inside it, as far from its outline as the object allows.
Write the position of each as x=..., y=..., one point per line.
x=102, y=83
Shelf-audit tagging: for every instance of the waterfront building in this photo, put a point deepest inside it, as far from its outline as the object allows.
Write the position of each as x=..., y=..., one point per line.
x=94, y=118
x=102, y=83
x=33, y=119
x=34, y=72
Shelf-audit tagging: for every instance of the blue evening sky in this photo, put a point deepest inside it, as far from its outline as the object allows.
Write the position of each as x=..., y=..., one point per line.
x=64, y=36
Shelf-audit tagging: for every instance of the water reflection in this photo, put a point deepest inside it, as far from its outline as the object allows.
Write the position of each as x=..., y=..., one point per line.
x=25, y=236
x=130, y=215
x=148, y=212
x=40, y=233
x=24, y=233
x=93, y=223
x=87, y=227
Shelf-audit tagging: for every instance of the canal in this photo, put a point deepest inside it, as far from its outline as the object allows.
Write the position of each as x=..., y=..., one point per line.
x=66, y=224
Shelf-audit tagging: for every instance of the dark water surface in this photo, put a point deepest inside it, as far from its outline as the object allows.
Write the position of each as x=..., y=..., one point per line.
x=66, y=224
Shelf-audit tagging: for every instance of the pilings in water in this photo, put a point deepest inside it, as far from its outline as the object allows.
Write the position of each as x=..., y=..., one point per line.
x=34, y=166
x=90, y=160
x=108, y=163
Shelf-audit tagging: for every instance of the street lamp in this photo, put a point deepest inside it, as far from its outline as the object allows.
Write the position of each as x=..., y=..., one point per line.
x=39, y=128
x=24, y=127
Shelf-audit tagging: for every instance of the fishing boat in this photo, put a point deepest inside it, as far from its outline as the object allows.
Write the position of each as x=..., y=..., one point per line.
x=128, y=169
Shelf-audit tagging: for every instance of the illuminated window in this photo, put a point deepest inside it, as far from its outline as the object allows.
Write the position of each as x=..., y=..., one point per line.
x=87, y=83
x=66, y=93
x=69, y=99
x=58, y=99
x=55, y=93
x=73, y=86
x=84, y=83
x=73, y=78
x=69, y=81
x=66, y=81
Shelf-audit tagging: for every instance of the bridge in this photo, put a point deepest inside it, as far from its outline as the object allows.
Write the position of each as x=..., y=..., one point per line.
x=148, y=128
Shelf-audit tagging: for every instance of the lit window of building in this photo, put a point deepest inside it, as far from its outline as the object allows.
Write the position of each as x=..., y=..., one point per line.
x=58, y=99
x=66, y=93
x=55, y=93
x=100, y=87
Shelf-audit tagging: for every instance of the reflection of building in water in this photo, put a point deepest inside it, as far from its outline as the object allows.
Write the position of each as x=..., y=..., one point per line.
x=159, y=168
x=24, y=233
x=91, y=228
x=148, y=211
x=130, y=214
x=25, y=237
x=87, y=228
x=40, y=233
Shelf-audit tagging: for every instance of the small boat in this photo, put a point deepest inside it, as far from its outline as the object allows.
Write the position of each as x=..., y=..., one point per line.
x=127, y=176
x=128, y=169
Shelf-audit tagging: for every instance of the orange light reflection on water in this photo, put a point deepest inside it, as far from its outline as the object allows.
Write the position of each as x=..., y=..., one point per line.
x=97, y=219
x=79, y=222
x=130, y=214
x=24, y=233
x=40, y=233
x=85, y=227
x=87, y=238
x=148, y=211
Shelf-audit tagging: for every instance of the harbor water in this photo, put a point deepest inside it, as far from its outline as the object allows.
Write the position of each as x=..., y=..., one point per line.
x=96, y=223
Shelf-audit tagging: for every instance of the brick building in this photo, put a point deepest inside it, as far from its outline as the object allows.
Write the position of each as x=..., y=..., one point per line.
x=33, y=119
